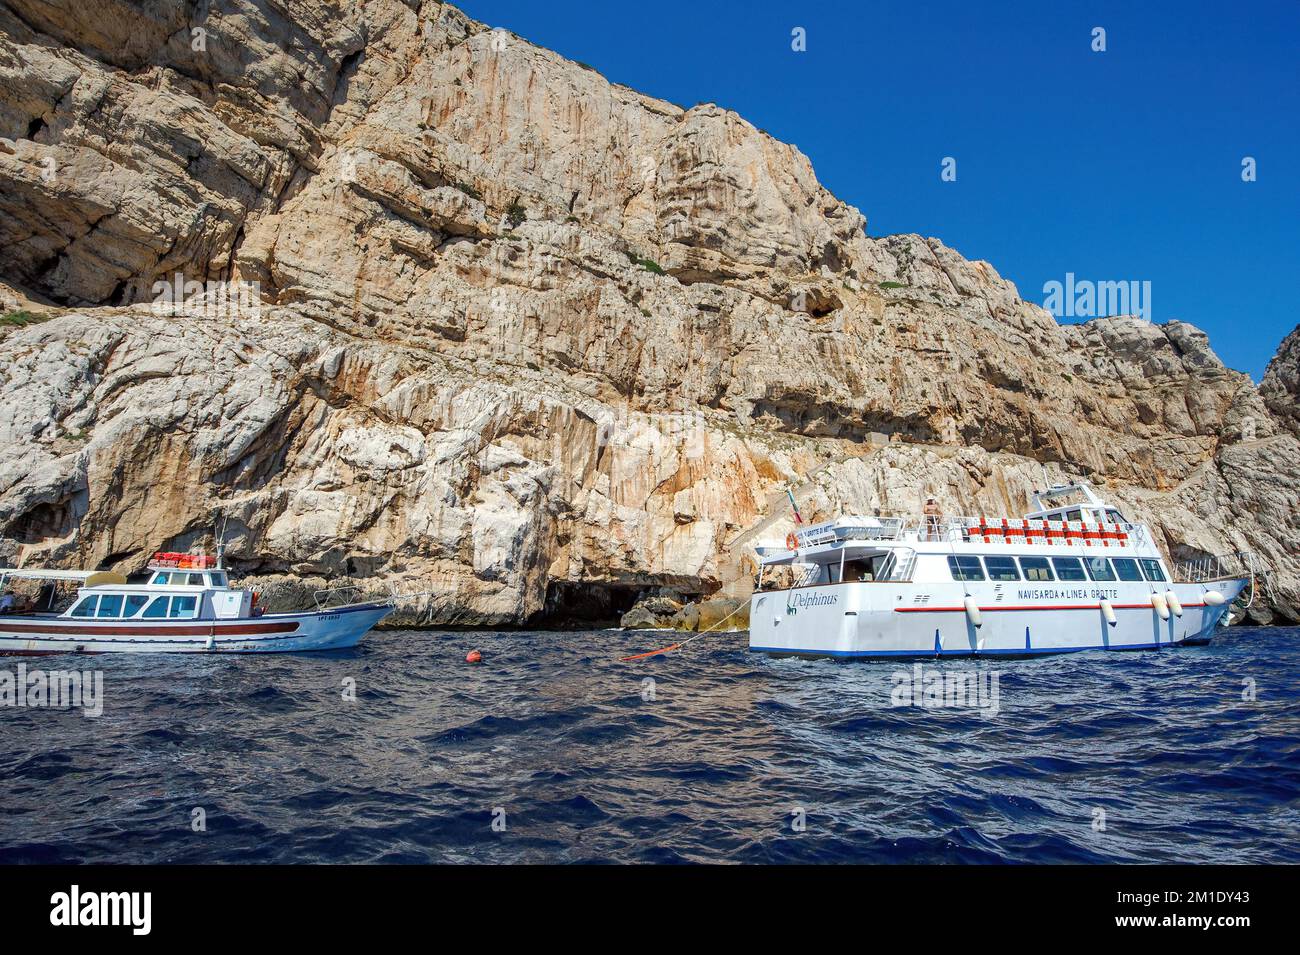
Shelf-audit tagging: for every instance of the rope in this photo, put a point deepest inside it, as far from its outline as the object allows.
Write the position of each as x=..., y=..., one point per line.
x=678, y=646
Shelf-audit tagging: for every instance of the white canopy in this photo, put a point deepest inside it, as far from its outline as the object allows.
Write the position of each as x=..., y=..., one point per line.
x=44, y=573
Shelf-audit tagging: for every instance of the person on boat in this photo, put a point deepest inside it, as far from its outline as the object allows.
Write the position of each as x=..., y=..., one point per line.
x=7, y=602
x=933, y=517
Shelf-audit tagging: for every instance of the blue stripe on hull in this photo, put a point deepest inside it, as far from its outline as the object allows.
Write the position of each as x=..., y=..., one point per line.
x=930, y=654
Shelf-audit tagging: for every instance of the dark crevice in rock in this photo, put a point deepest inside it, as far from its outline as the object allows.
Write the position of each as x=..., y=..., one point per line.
x=804, y=415
x=583, y=605
x=348, y=67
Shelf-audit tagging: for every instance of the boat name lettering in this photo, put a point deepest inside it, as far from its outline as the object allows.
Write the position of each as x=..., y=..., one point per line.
x=815, y=600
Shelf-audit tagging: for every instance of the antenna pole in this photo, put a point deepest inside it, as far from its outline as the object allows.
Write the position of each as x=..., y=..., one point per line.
x=220, y=534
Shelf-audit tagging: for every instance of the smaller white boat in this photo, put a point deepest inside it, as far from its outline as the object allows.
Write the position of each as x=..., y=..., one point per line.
x=186, y=606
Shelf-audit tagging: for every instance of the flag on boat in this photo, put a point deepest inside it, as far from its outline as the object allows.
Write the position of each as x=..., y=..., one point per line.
x=793, y=506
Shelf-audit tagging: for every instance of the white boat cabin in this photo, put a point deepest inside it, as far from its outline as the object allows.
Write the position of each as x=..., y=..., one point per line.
x=179, y=587
x=1076, y=542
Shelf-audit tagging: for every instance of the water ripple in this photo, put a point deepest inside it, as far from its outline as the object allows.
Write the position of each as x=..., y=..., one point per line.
x=553, y=751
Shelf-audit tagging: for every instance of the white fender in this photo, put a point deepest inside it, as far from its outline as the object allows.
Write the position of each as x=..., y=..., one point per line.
x=1213, y=598
x=973, y=612
x=1171, y=598
x=1162, y=607
x=1108, y=612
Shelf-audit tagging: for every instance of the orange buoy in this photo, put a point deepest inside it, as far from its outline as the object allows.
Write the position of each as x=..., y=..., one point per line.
x=473, y=657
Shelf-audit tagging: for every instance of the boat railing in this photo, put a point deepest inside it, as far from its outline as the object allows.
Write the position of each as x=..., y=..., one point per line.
x=897, y=568
x=333, y=597
x=946, y=528
x=904, y=565
x=806, y=575
x=1197, y=570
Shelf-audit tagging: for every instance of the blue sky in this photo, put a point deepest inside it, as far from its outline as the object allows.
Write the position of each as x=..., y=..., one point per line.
x=1122, y=165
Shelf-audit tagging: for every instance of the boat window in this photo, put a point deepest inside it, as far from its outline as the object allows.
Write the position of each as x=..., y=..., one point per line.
x=110, y=605
x=196, y=580
x=1036, y=568
x=1127, y=568
x=183, y=606
x=1076, y=515
x=1099, y=568
x=217, y=580
x=1069, y=568
x=858, y=570
x=87, y=607
x=159, y=578
x=1114, y=516
x=1002, y=568
x=965, y=568
x=1151, y=568
x=157, y=609
x=179, y=579
x=133, y=604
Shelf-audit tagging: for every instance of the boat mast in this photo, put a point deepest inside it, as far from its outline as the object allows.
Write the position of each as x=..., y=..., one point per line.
x=219, y=534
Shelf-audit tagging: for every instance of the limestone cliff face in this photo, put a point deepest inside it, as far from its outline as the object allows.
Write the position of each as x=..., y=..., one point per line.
x=520, y=328
x=1281, y=385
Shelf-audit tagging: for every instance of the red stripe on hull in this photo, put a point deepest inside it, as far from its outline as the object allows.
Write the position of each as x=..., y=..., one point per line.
x=50, y=653
x=1054, y=607
x=201, y=630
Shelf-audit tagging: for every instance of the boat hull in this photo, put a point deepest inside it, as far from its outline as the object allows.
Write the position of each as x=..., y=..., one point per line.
x=864, y=619
x=333, y=629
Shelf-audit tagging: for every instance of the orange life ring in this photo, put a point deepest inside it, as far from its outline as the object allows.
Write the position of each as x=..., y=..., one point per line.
x=791, y=541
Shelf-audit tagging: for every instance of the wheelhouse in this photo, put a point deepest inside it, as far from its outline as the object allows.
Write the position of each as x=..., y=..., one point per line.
x=1091, y=509
x=132, y=605
x=178, y=587
x=188, y=578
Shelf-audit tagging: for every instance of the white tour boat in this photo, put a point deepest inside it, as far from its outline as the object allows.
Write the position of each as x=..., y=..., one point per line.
x=1063, y=578
x=186, y=606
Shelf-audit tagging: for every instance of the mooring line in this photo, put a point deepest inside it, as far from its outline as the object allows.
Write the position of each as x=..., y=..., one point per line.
x=678, y=646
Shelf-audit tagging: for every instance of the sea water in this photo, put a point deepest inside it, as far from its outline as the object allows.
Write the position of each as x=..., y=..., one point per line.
x=552, y=750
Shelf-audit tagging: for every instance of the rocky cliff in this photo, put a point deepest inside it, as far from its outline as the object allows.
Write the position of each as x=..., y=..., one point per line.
x=1281, y=385
x=520, y=337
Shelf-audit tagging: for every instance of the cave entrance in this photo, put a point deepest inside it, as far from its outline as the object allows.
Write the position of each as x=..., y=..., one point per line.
x=581, y=606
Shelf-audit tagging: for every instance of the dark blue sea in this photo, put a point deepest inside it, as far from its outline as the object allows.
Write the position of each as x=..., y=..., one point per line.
x=552, y=750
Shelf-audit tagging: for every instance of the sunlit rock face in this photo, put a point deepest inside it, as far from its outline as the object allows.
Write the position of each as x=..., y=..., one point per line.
x=1281, y=385
x=520, y=329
